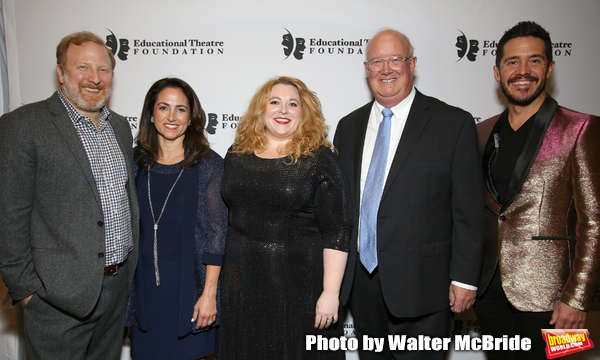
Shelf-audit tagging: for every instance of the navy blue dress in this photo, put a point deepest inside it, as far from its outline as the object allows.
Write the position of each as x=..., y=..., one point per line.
x=191, y=235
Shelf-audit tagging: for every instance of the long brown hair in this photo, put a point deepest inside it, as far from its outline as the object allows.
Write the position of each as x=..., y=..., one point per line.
x=195, y=142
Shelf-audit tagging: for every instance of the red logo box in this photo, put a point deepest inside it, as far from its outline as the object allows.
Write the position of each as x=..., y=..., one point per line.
x=564, y=342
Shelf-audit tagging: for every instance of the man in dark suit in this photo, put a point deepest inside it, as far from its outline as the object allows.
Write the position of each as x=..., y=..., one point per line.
x=541, y=266
x=418, y=224
x=69, y=224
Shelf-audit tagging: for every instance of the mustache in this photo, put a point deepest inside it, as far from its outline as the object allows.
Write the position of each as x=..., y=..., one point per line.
x=92, y=86
x=523, y=77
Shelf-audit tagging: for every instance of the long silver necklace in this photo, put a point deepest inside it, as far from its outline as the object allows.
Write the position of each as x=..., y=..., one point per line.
x=155, y=221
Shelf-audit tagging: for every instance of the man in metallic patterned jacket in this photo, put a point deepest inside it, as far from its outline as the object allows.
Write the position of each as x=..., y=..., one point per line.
x=541, y=165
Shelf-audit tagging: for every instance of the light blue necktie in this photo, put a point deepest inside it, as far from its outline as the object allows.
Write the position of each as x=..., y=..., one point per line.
x=372, y=193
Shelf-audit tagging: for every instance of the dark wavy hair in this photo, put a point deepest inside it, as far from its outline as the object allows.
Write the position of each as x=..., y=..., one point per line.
x=195, y=142
x=525, y=29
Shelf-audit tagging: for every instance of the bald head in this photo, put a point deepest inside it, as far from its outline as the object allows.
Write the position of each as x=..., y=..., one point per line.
x=390, y=34
x=392, y=82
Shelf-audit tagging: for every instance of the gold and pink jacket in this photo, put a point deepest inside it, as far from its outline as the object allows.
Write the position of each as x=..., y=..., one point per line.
x=545, y=238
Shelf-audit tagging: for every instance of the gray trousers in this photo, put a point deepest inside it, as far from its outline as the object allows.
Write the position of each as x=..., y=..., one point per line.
x=51, y=334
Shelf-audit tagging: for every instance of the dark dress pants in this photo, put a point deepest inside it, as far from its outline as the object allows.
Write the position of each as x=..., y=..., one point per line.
x=497, y=317
x=372, y=317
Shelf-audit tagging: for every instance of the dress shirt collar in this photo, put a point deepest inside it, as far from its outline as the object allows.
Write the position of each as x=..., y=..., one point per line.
x=400, y=110
x=77, y=117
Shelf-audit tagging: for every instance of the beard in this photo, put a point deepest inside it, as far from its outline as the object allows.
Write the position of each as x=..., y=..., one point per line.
x=88, y=103
x=523, y=101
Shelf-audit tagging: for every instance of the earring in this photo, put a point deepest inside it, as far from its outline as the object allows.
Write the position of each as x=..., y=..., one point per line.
x=189, y=123
x=151, y=119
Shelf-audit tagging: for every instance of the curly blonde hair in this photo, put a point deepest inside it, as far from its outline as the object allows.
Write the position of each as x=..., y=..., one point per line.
x=308, y=137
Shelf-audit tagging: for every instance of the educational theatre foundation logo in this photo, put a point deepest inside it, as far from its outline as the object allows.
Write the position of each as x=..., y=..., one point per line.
x=297, y=47
x=186, y=45
x=473, y=49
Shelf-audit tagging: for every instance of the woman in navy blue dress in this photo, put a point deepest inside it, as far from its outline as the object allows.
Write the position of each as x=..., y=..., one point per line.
x=173, y=306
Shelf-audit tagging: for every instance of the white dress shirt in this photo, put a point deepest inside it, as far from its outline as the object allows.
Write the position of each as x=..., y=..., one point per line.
x=398, y=122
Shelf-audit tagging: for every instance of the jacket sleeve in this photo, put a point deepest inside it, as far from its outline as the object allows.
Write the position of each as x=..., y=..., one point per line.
x=584, y=281
x=17, y=181
x=467, y=207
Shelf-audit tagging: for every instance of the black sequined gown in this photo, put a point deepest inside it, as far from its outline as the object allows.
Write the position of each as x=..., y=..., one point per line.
x=281, y=218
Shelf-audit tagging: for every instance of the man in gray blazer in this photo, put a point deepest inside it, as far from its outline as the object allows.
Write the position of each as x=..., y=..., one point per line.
x=69, y=224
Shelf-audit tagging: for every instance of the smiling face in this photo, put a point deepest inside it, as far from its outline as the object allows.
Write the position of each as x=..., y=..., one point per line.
x=524, y=70
x=86, y=77
x=390, y=86
x=171, y=115
x=283, y=113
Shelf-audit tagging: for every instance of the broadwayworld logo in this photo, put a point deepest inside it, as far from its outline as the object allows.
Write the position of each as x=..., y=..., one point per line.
x=298, y=47
x=564, y=342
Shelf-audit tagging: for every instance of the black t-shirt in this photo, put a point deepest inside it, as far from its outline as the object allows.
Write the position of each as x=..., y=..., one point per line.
x=510, y=146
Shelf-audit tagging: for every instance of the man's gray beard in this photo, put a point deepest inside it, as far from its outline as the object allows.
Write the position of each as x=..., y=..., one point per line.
x=74, y=96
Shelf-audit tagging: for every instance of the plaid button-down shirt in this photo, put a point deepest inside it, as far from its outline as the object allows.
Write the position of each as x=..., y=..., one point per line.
x=108, y=166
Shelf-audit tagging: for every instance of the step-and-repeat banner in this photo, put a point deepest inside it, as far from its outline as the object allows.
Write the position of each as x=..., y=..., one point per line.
x=226, y=49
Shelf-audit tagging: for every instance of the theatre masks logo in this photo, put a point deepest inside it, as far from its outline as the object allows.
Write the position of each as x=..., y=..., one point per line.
x=291, y=45
x=211, y=122
x=119, y=47
x=221, y=122
x=470, y=48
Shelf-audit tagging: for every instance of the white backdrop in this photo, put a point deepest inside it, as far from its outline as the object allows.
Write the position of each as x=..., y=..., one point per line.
x=226, y=49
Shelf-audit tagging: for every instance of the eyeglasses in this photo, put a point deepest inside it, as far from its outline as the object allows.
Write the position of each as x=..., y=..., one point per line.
x=396, y=63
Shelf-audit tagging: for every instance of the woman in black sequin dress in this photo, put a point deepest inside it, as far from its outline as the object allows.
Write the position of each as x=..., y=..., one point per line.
x=289, y=229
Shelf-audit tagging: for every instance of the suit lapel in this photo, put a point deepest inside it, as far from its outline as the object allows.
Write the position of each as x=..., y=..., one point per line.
x=532, y=144
x=417, y=119
x=530, y=149
x=69, y=135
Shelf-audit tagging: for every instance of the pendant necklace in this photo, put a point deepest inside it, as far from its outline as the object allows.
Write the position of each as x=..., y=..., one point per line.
x=155, y=221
